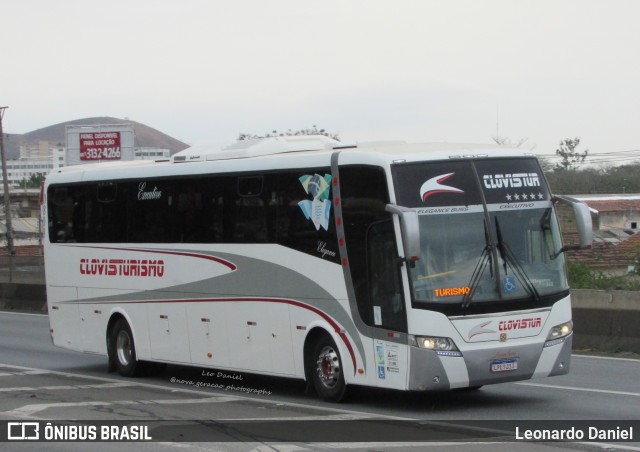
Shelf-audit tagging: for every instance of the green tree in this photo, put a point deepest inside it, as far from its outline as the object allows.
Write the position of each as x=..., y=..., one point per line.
x=34, y=181
x=570, y=156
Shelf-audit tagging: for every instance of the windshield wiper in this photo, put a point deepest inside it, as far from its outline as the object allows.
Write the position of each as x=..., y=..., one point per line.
x=476, y=276
x=509, y=257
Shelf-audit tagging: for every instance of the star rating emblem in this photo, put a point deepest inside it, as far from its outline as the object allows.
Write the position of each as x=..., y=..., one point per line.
x=524, y=196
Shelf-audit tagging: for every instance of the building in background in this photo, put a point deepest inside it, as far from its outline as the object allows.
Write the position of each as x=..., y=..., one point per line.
x=616, y=234
x=39, y=158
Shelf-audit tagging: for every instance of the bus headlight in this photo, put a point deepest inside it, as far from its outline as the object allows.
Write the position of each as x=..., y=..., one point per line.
x=558, y=333
x=443, y=346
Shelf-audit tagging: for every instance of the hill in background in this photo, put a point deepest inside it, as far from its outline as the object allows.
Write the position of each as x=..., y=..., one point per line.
x=145, y=136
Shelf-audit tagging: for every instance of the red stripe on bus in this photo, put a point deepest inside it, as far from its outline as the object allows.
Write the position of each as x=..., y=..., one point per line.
x=329, y=320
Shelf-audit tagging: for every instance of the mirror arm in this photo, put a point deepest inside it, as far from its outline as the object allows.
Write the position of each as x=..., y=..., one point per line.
x=410, y=228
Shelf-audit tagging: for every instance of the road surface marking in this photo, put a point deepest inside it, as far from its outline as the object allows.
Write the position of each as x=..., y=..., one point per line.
x=67, y=387
x=571, y=388
x=30, y=410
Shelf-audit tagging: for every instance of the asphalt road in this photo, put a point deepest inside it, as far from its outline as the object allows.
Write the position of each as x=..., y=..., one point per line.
x=185, y=406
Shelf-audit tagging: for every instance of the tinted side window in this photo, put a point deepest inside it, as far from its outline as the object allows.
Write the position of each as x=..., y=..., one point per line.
x=305, y=216
x=364, y=195
x=290, y=208
x=385, y=287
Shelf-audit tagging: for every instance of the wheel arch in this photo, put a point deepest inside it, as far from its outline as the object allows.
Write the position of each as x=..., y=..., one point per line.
x=316, y=332
x=115, y=315
x=309, y=340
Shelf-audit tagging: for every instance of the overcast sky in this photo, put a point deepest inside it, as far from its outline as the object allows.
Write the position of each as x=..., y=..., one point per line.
x=417, y=70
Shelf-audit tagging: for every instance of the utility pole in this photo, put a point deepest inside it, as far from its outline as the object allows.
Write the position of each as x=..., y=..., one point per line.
x=5, y=183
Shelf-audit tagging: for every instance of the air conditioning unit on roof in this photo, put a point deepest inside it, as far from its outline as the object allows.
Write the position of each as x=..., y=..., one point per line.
x=257, y=147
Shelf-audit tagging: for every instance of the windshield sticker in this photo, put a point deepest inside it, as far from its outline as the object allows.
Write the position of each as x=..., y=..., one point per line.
x=392, y=358
x=509, y=284
x=434, y=186
x=377, y=315
x=380, y=361
x=318, y=209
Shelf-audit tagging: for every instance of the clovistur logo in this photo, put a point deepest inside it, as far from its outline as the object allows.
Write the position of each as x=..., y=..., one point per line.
x=480, y=329
x=434, y=186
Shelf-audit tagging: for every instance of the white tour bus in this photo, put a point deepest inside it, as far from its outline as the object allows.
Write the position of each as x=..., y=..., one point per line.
x=404, y=266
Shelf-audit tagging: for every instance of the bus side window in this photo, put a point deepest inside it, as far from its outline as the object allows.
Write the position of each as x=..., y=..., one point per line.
x=249, y=211
x=104, y=215
x=190, y=212
x=291, y=226
x=61, y=215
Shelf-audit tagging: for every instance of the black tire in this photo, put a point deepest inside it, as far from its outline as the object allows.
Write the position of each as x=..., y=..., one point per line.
x=122, y=350
x=325, y=367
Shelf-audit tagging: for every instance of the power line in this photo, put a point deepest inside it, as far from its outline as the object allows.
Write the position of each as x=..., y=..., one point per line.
x=599, y=157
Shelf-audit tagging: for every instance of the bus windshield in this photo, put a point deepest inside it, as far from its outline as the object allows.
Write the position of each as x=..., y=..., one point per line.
x=488, y=233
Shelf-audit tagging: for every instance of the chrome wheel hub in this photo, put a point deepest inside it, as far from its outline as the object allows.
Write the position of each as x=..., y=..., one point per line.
x=328, y=367
x=123, y=348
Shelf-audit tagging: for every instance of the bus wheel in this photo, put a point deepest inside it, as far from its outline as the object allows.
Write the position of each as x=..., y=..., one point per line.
x=122, y=350
x=327, y=375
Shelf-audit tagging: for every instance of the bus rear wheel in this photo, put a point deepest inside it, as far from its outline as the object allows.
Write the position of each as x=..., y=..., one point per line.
x=122, y=349
x=326, y=370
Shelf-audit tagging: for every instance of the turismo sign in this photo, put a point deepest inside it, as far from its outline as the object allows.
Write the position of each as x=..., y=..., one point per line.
x=100, y=146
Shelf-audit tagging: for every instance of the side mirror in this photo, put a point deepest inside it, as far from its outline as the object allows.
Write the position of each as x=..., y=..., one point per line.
x=583, y=221
x=410, y=227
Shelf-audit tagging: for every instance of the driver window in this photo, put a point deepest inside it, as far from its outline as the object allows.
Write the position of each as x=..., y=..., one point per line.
x=385, y=288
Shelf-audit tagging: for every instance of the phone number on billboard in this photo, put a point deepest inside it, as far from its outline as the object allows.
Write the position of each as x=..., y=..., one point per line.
x=100, y=153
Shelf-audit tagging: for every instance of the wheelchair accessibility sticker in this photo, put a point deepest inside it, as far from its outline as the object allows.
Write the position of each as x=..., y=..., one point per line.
x=509, y=284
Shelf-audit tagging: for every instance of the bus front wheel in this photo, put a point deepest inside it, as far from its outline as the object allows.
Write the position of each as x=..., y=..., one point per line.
x=327, y=374
x=122, y=350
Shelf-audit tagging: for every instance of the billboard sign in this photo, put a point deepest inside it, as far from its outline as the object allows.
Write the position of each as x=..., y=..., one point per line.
x=100, y=143
x=100, y=146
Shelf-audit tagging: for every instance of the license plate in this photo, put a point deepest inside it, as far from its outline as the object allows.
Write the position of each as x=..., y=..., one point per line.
x=504, y=365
